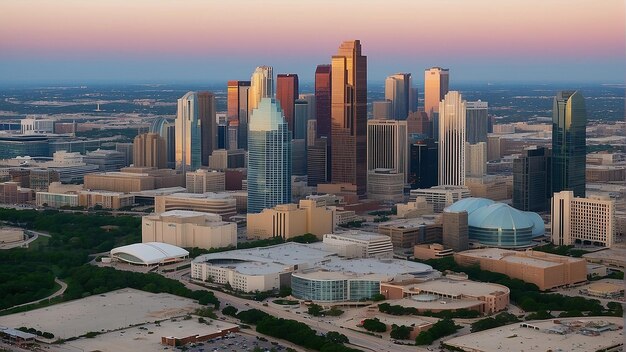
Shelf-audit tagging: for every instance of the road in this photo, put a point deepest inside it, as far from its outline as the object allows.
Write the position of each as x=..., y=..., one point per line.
x=360, y=340
x=59, y=292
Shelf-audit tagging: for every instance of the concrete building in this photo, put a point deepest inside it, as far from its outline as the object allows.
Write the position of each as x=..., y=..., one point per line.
x=150, y=150
x=387, y=146
x=441, y=196
x=261, y=86
x=203, y=181
x=382, y=110
x=547, y=271
x=494, y=187
x=188, y=133
x=61, y=195
x=448, y=293
x=40, y=179
x=455, y=230
x=133, y=179
x=408, y=232
x=208, y=125
x=107, y=160
x=35, y=125
x=222, y=159
x=12, y=193
x=431, y=251
x=414, y=209
x=359, y=244
x=476, y=121
x=585, y=221
x=385, y=184
x=223, y=204
x=238, y=113
x=399, y=91
x=287, y=91
x=189, y=229
x=452, y=114
x=476, y=159
x=290, y=220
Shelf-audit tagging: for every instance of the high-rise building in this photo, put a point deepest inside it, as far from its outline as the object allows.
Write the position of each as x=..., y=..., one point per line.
x=452, y=140
x=166, y=129
x=398, y=90
x=531, y=180
x=476, y=159
x=127, y=150
x=587, y=221
x=382, y=110
x=455, y=230
x=149, y=151
x=569, y=138
x=349, y=116
x=477, y=121
x=418, y=124
x=287, y=92
x=238, y=112
x=435, y=88
x=323, y=84
x=208, y=125
x=316, y=155
x=423, y=164
x=311, y=103
x=300, y=119
x=298, y=157
x=387, y=145
x=188, y=133
x=269, y=159
x=261, y=86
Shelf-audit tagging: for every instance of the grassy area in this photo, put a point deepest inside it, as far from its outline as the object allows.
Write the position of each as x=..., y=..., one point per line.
x=39, y=243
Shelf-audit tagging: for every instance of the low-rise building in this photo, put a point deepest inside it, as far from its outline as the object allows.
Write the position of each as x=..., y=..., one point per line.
x=431, y=251
x=134, y=179
x=189, y=229
x=414, y=209
x=405, y=233
x=577, y=220
x=441, y=196
x=12, y=193
x=359, y=244
x=203, y=181
x=223, y=204
x=545, y=270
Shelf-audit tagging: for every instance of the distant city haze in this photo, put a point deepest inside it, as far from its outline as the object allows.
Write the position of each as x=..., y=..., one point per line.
x=169, y=41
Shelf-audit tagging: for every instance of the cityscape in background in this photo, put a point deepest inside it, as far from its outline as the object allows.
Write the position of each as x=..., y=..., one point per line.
x=273, y=211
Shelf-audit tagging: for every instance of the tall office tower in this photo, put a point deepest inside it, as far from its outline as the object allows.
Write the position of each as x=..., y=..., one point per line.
x=300, y=120
x=452, y=140
x=423, y=165
x=382, y=110
x=127, y=150
x=387, y=146
x=287, y=92
x=349, y=116
x=269, y=158
x=149, y=151
x=310, y=99
x=587, y=221
x=208, y=125
x=398, y=90
x=413, y=99
x=531, y=180
x=222, y=135
x=167, y=130
x=316, y=156
x=455, y=230
x=435, y=88
x=477, y=121
x=238, y=112
x=417, y=124
x=298, y=157
x=569, y=138
x=261, y=86
x=188, y=133
x=233, y=133
x=311, y=132
x=476, y=159
x=323, y=85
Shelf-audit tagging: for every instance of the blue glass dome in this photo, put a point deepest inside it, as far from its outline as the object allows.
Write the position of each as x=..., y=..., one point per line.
x=469, y=205
x=539, y=229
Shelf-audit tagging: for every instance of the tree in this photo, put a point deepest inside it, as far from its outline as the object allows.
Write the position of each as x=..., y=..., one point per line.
x=401, y=332
x=284, y=291
x=378, y=297
x=374, y=325
x=443, y=327
x=335, y=337
x=229, y=310
x=315, y=310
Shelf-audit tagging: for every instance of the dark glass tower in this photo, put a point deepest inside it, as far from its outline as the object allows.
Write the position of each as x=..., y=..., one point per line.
x=423, y=164
x=569, y=149
x=287, y=91
x=531, y=180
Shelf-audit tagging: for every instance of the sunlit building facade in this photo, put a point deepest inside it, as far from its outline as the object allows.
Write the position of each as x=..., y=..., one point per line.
x=188, y=133
x=261, y=86
x=435, y=88
x=208, y=125
x=287, y=92
x=398, y=90
x=238, y=112
x=452, y=140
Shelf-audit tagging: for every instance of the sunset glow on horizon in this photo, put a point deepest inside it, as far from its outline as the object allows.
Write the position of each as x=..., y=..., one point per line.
x=296, y=35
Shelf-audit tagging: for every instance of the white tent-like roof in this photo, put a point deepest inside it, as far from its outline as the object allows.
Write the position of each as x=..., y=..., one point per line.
x=149, y=253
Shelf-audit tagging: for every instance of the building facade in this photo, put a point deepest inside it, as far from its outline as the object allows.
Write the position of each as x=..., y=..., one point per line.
x=208, y=125
x=203, y=181
x=452, y=140
x=588, y=221
x=399, y=91
x=261, y=86
x=188, y=133
x=531, y=180
x=150, y=150
x=477, y=120
x=436, y=81
x=238, y=111
x=287, y=91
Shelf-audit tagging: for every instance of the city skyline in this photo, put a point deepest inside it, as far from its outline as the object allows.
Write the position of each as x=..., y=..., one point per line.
x=65, y=41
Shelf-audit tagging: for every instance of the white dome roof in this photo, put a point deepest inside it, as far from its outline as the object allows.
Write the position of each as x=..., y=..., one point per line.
x=148, y=253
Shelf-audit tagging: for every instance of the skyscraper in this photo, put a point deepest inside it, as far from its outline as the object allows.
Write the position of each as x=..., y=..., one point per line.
x=569, y=138
x=349, y=116
x=452, y=140
x=323, y=84
x=382, y=110
x=300, y=119
x=287, y=92
x=269, y=158
x=387, y=146
x=435, y=88
x=208, y=125
x=149, y=151
x=423, y=164
x=166, y=130
x=477, y=121
x=531, y=180
x=476, y=159
x=238, y=112
x=310, y=99
x=188, y=133
x=398, y=90
x=261, y=86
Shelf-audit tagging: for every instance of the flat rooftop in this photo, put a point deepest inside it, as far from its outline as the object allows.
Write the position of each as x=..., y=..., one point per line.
x=410, y=223
x=361, y=235
x=515, y=338
x=367, y=268
x=208, y=195
x=536, y=259
x=436, y=303
x=459, y=287
x=160, y=191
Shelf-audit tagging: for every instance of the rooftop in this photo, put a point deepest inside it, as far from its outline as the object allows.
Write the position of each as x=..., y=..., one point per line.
x=528, y=257
x=208, y=195
x=459, y=287
x=360, y=235
x=366, y=268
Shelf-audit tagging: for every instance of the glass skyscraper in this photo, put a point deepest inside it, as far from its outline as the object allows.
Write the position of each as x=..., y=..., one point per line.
x=452, y=111
x=188, y=133
x=269, y=158
x=569, y=138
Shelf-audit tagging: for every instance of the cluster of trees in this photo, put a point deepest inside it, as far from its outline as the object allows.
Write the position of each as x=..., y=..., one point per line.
x=44, y=334
x=400, y=310
x=21, y=283
x=443, y=327
x=89, y=280
x=316, y=310
x=295, y=332
x=400, y=332
x=561, y=250
x=230, y=311
x=498, y=320
x=374, y=325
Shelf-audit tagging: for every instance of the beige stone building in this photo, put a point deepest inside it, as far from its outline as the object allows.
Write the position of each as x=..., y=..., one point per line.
x=133, y=179
x=414, y=209
x=290, y=220
x=223, y=204
x=490, y=187
x=202, y=181
x=431, y=251
x=582, y=220
x=547, y=271
x=189, y=229
x=149, y=150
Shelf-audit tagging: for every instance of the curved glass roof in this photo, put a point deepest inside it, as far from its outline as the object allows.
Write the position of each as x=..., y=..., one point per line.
x=148, y=253
x=500, y=216
x=469, y=205
x=540, y=228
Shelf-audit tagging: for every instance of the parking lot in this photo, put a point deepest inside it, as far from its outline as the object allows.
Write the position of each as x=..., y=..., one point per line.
x=236, y=342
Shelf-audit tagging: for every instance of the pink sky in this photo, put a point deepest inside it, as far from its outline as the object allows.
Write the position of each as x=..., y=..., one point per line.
x=536, y=30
